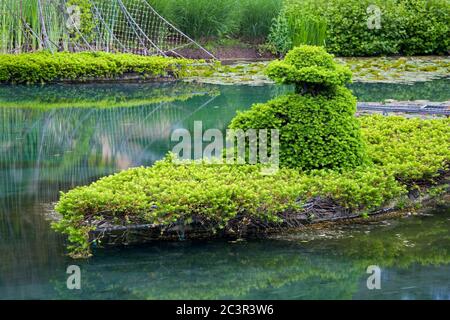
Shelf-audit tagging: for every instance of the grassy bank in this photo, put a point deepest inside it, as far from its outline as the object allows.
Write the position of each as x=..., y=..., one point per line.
x=43, y=67
x=405, y=154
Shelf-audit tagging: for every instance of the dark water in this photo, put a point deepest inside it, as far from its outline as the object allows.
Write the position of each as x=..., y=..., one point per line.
x=45, y=149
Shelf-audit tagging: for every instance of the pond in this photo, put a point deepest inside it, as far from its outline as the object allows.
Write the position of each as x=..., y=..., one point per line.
x=57, y=137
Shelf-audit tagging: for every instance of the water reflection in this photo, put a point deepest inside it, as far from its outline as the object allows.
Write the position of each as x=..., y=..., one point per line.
x=68, y=139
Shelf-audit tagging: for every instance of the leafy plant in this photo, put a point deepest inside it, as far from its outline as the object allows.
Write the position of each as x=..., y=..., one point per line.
x=87, y=19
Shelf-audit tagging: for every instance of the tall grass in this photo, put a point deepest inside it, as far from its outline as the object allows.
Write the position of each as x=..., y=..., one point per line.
x=256, y=18
x=249, y=19
x=201, y=18
x=299, y=22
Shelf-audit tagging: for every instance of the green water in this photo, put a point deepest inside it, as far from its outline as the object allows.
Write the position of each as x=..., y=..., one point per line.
x=53, y=147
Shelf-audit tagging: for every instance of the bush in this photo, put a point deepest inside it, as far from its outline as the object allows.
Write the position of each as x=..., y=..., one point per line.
x=317, y=125
x=403, y=151
x=45, y=67
x=409, y=27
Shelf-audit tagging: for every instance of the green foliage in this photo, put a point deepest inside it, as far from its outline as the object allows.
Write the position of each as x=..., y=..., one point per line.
x=401, y=150
x=419, y=149
x=87, y=18
x=11, y=28
x=256, y=18
x=249, y=19
x=309, y=67
x=317, y=125
x=297, y=26
x=202, y=18
x=426, y=25
x=315, y=131
x=409, y=27
x=44, y=67
x=279, y=37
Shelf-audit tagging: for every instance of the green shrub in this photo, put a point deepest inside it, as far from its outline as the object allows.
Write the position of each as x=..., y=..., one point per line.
x=45, y=67
x=409, y=27
x=311, y=69
x=317, y=125
x=403, y=151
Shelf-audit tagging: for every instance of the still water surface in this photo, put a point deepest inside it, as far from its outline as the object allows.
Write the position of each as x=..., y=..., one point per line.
x=70, y=138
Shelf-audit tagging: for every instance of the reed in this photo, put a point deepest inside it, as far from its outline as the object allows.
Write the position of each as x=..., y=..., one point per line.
x=20, y=24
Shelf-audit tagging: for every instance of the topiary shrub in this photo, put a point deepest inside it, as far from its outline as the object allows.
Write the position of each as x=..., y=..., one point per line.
x=317, y=125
